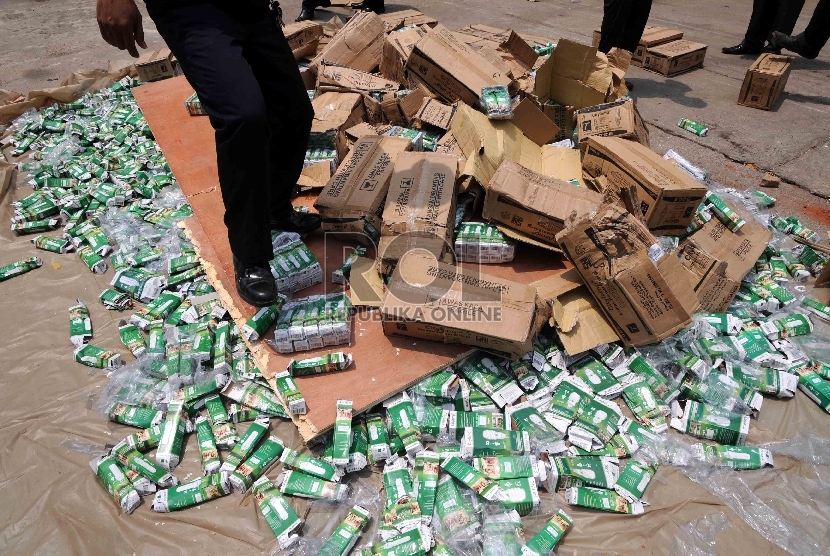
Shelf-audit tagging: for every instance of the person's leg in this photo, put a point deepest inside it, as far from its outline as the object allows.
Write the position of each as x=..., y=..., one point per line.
x=760, y=25
x=818, y=30
x=288, y=110
x=614, y=17
x=787, y=15
x=208, y=44
x=635, y=24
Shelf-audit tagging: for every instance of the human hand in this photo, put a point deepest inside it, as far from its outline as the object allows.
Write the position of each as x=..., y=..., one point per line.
x=120, y=25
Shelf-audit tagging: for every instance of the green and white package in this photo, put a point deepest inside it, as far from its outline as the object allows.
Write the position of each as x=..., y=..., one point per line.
x=156, y=343
x=523, y=373
x=330, y=362
x=520, y=494
x=246, y=445
x=544, y=438
x=724, y=323
x=135, y=415
x=765, y=380
x=596, y=424
x=793, y=325
x=262, y=320
x=299, y=484
x=310, y=465
x=491, y=378
x=255, y=396
x=597, y=377
x=601, y=499
x=114, y=478
x=170, y=446
x=400, y=517
x=475, y=480
x=736, y=457
x=404, y=423
x=142, y=285
x=820, y=310
x=99, y=358
x=145, y=439
x=345, y=536
x=200, y=389
x=412, y=543
x=53, y=244
x=397, y=481
x=192, y=493
x=693, y=364
x=257, y=464
x=291, y=395
x=359, y=449
x=543, y=543
x=712, y=423
x=480, y=441
x=633, y=480
x=502, y=534
x=815, y=387
x=721, y=391
x=132, y=459
x=443, y=384
x=567, y=401
x=378, y=437
x=456, y=422
x=342, y=436
x=223, y=431
x=643, y=402
x=571, y=471
x=506, y=467
x=455, y=512
x=207, y=446
x=425, y=482
x=80, y=325
x=659, y=384
x=278, y=513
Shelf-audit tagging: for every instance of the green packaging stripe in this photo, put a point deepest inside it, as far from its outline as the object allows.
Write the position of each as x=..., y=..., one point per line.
x=397, y=482
x=299, y=484
x=484, y=487
x=132, y=339
x=200, y=389
x=310, y=465
x=135, y=416
x=278, y=513
x=544, y=542
x=505, y=467
x=132, y=459
x=345, y=536
x=192, y=493
x=207, y=446
x=170, y=446
x=342, y=432
x=114, y=478
x=146, y=439
x=427, y=464
x=258, y=463
x=261, y=321
x=18, y=268
x=80, y=325
x=453, y=509
x=291, y=396
x=255, y=396
x=246, y=445
x=327, y=363
x=600, y=499
x=634, y=480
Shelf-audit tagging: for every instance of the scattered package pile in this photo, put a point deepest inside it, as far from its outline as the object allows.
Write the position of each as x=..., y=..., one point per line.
x=698, y=289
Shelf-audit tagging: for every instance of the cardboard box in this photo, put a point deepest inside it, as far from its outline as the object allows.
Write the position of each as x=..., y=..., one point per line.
x=614, y=119
x=612, y=252
x=533, y=205
x=675, y=57
x=668, y=195
x=562, y=116
x=421, y=198
x=406, y=18
x=339, y=78
x=333, y=114
x=155, y=65
x=652, y=36
x=440, y=302
x=574, y=75
x=534, y=124
x=435, y=113
x=484, y=35
x=395, y=52
x=392, y=249
x=303, y=38
x=765, y=80
x=716, y=259
x=351, y=201
x=357, y=45
x=511, y=49
x=451, y=69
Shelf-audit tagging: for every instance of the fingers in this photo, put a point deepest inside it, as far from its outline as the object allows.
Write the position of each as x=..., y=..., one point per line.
x=138, y=30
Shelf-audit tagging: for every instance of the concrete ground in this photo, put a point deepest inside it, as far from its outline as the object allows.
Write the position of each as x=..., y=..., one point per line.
x=43, y=40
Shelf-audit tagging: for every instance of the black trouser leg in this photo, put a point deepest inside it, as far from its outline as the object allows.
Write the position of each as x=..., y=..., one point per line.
x=787, y=15
x=761, y=22
x=818, y=30
x=614, y=18
x=635, y=24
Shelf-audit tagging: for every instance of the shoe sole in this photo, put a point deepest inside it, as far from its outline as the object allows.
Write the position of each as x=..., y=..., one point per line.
x=249, y=301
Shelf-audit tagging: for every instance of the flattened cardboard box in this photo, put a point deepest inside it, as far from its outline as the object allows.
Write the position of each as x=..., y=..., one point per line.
x=333, y=114
x=440, y=302
x=765, y=80
x=675, y=57
x=716, y=259
x=395, y=52
x=303, y=38
x=351, y=79
x=155, y=65
x=652, y=36
x=421, y=198
x=668, y=196
x=351, y=201
x=613, y=119
x=534, y=205
x=451, y=69
x=612, y=253
x=357, y=45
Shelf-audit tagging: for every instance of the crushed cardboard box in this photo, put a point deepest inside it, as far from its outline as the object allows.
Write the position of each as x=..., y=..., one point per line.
x=676, y=57
x=562, y=116
x=303, y=38
x=614, y=119
x=395, y=52
x=574, y=75
x=765, y=80
x=351, y=201
x=533, y=122
x=155, y=65
x=668, y=195
x=335, y=112
x=533, y=205
x=357, y=45
x=434, y=113
x=340, y=78
x=652, y=36
x=406, y=18
x=431, y=300
x=616, y=256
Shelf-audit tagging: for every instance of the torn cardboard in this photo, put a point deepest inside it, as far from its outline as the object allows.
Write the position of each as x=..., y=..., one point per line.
x=577, y=316
x=440, y=302
x=155, y=65
x=675, y=57
x=668, y=196
x=534, y=205
x=614, y=119
x=652, y=36
x=351, y=201
x=533, y=122
x=316, y=175
x=353, y=80
x=334, y=113
x=765, y=80
x=562, y=116
x=575, y=75
x=406, y=18
x=392, y=249
x=365, y=284
x=357, y=45
x=615, y=255
x=451, y=69
x=434, y=113
x=395, y=52
x=303, y=38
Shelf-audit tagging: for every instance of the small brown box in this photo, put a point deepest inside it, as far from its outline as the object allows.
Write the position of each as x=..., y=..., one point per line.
x=675, y=57
x=765, y=80
x=152, y=66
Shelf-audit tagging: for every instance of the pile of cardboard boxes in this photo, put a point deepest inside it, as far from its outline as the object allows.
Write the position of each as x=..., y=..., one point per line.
x=397, y=97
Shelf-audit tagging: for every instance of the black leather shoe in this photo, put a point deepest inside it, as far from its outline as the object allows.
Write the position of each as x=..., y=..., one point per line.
x=629, y=85
x=370, y=6
x=742, y=48
x=797, y=44
x=306, y=14
x=299, y=222
x=255, y=283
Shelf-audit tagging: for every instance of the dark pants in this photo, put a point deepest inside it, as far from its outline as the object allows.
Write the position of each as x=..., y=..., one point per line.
x=236, y=57
x=818, y=30
x=771, y=15
x=623, y=22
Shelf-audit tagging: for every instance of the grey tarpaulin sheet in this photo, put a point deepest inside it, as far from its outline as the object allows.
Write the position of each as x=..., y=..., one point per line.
x=51, y=502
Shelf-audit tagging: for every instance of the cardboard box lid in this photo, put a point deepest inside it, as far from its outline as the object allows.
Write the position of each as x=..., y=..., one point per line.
x=153, y=56
x=333, y=109
x=299, y=33
x=575, y=75
x=436, y=113
x=362, y=180
x=676, y=48
x=357, y=45
x=648, y=168
x=362, y=129
x=405, y=18
x=421, y=194
x=562, y=163
x=356, y=80
x=772, y=64
x=433, y=287
x=393, y=248
x=533, y=122
x=404, y=41
x=550, y=197
x=653, y=36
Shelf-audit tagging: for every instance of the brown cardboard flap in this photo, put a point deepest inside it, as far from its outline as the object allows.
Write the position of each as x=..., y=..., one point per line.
x=316, y=175
x=395, y=53
x=405, y=18
x=614, y=119
x=303, y=37
x=362, y=129
x=562, y=163
x=435, y=113
x=534, y=124
x=524, y=238
x=332, y=110
x=357, y=45
x=351, y=79
x=365, y=283
x=575, y=75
